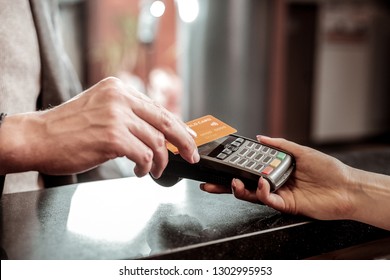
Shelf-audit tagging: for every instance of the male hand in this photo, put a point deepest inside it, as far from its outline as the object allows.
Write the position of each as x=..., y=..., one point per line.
x=106, y=121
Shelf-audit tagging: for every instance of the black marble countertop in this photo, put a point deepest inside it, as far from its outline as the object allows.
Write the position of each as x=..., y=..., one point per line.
x=134, y=218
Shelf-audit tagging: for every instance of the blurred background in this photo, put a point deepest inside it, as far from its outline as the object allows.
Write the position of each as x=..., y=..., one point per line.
x=316, y=72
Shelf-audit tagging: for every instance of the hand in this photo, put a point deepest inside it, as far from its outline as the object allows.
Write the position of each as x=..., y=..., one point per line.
x=106, y=121
x=318, y=188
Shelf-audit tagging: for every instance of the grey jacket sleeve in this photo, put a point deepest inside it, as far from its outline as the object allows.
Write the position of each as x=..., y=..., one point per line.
x=59, y=80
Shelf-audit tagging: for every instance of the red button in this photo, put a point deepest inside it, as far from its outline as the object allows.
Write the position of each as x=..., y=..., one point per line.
x=267, y=170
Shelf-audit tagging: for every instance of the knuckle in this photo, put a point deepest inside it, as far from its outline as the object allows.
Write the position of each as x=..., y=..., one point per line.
x=283, y=140
x=147, y=157
x=111, y=95
x=160, y=140
x=158, y=105
x=161, y=153
x=136, y=127
x=144, y=162
x=112, y=82
x=167, y=120
x=187, y=147
x=114, y=115
x=111, y=87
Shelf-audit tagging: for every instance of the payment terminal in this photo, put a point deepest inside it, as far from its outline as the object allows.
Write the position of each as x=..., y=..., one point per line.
x=229, y=157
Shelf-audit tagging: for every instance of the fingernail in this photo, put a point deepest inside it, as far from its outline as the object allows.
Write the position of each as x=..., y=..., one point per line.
x=262, y=137
x=190, y=131
x=201, y=186
x=195, y=156
x=260, y=184
x=234, y=185
x=155, y=174
x=136, y=171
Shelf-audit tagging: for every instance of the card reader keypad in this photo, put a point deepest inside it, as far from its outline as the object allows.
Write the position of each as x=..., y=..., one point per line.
x=252, y=156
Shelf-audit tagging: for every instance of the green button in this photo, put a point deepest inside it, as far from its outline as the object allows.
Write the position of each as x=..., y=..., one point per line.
x=281, y=155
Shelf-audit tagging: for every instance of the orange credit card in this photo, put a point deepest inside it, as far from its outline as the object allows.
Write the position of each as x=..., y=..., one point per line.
x=208, y=128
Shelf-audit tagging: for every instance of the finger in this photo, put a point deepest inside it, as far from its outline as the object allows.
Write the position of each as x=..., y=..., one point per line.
x=149, y=112
x=171, y=132
x=133, y=91
x=240, y=192
x=212, y=188
x=141, y=154
x=153, y=139
x=281, y=143
x=265, y=196
x=153, y=103
x=173, y=129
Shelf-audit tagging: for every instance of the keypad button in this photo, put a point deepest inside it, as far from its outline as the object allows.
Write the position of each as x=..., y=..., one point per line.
x=250, y=144
x=258, y=157
x=240, y=140
x=236, y=144
x=281, y=155
x=243, y=152
x=257, y=147
x=250, y=164
x=273, y=152
x=250, y=154
x=275, y=162
x=222, y=156
x=227, y=151
x=265, y=149
x=234, y=159
x=242, y=161
x=228, y=146
x=268, y=170
x=258, y=167
x=267, y=159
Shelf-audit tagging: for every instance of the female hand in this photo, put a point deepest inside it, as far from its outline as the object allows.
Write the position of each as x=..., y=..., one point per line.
x=319, y=187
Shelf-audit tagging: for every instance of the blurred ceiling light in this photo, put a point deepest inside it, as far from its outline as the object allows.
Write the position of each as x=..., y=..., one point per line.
x=157, y=8
x=188, y=10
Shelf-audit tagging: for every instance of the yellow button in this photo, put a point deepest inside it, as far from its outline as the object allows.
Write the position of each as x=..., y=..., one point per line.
x=275, y=163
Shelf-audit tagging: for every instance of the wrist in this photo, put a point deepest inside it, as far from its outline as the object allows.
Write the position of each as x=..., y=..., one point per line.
x=354, y=191
x=17, y=142
x=371, y=198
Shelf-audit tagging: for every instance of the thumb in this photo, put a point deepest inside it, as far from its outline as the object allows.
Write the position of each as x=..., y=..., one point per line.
x=264, y=195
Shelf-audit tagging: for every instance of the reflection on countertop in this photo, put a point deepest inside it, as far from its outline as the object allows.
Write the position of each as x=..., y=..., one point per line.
x=136, y=218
